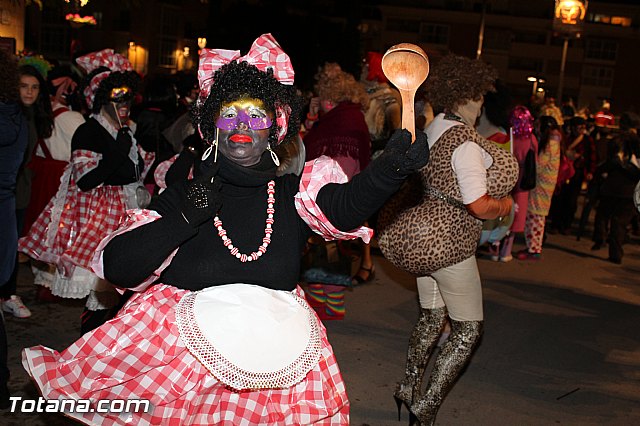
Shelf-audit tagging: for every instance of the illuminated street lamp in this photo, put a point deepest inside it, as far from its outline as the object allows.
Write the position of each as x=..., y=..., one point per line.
x=202, y=43
x=536, y=81
x=568, y=20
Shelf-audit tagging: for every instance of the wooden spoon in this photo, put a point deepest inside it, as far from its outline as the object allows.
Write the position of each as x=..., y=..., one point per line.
x=407, y=67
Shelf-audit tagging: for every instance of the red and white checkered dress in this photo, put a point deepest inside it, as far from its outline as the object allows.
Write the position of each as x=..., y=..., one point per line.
x=73, y=223
x=140, y=355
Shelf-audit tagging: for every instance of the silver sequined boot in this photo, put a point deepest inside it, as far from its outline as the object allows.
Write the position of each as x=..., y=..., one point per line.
x=453, y=357
x=423, y=339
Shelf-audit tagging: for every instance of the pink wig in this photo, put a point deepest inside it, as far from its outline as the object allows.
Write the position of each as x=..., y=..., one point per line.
x=521, y=121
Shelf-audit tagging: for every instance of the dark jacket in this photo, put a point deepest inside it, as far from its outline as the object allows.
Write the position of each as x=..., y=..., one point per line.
x=13, y=142
x=621, y=179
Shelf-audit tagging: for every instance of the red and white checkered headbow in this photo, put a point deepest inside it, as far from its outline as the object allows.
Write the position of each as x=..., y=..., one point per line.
x=265, y=53
x=104, y=58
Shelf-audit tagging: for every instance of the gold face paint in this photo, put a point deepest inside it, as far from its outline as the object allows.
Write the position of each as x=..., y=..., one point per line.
x=251, y=112
x=118, y=94
x=243, y=130
x=245, y=103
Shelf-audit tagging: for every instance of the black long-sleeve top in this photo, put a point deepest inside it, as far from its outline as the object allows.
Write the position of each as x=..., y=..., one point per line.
x=115, y=168
x=203, y=261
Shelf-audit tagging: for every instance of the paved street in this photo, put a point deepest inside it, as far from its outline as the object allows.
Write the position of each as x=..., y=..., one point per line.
x=561, y=343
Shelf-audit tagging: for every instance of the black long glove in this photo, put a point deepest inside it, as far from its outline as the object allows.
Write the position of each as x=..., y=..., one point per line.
x=402, y=157
x=348, y=205
x=202, y=198
x=133, y=256
x=193, y=147
x=115, y=167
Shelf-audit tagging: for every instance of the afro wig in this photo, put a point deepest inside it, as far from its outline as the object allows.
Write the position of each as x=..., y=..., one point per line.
x=455, y=80
x=130, y=79
x=237, y=80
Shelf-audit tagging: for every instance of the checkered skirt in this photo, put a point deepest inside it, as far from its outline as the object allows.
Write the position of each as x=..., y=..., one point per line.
x=87, y=217
x=139, y=355
x=73, y=223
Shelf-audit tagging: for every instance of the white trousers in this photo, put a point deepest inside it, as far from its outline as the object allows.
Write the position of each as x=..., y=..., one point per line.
x=457, y=287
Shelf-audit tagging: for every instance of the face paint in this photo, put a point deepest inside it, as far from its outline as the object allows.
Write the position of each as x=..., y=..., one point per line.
x=120, y=94
x=244, y=128
x=251, y=112
x=118, y=112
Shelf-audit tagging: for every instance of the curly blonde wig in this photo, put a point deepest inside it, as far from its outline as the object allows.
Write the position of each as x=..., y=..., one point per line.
x=454, y=80
x=337, y=86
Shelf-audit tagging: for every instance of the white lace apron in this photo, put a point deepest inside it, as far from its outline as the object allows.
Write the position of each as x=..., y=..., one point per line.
x=250, y=337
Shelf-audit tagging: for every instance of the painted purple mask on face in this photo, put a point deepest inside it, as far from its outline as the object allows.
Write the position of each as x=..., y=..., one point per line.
x=248, y=111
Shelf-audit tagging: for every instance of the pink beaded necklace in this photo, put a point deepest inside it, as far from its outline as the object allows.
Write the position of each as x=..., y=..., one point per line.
x=271, y=190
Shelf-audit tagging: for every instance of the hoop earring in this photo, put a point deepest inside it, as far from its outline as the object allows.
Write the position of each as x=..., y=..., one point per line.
x=274, y=156
x=215, y=142
x=207, y=152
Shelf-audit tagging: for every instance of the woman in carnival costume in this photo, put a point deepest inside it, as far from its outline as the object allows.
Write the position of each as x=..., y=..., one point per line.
x=468, y=179
x=218, y=331
x=339, y=131
x=523, y=140
x=102, y=181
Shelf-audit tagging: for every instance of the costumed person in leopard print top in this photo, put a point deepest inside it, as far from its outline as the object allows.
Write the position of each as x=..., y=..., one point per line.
x=218, y=331
x=102, y=181
x=435, y=235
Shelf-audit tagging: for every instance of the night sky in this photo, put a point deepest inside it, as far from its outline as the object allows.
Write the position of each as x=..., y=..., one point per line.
x=309, y=40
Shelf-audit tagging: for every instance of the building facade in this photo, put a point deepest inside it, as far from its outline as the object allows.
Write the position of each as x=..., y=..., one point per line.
x=11, y=25
x=518, y=39
x=158, y=36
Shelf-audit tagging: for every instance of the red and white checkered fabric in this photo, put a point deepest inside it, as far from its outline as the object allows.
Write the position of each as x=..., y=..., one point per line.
x=139, y=355
x=104, y=58
x=315, y=175
x=133, y=219
x=160, y=174
x=265, y=53
x=86, y=218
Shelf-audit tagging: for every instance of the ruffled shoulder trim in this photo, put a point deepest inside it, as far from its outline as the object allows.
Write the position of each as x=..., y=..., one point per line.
x=315, y=175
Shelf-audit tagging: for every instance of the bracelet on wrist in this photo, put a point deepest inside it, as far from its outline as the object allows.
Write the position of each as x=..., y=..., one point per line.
x=312, y=117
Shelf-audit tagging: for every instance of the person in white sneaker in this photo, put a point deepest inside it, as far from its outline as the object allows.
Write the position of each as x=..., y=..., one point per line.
x=35, y=103
x=13, y=142
x=15, y=306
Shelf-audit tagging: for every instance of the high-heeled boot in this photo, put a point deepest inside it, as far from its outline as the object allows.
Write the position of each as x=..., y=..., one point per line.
x=423, y=339
x=453, y=357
